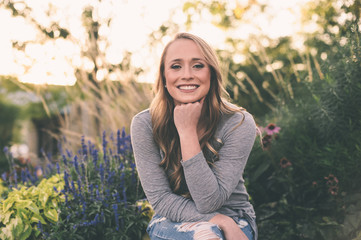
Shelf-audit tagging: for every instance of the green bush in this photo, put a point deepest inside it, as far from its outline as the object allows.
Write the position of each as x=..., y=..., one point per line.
x=24, y=208
x=305, y=180
x=97, y=196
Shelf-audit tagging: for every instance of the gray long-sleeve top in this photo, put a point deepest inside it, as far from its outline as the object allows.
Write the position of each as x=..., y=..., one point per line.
x=217, y=189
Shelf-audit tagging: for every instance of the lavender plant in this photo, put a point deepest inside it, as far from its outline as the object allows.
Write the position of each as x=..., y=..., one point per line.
x=101, y=190
x=100, y=196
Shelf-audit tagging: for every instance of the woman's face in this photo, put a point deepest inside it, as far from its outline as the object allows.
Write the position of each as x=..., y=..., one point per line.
x=186, y=72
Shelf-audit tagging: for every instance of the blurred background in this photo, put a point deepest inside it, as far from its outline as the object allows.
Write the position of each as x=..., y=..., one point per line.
x=72, y=69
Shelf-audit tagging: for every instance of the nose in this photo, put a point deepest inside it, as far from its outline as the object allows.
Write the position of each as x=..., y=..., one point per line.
x=187, y=73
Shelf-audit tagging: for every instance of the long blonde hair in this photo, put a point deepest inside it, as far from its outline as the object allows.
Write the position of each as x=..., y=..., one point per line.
x=164, y=131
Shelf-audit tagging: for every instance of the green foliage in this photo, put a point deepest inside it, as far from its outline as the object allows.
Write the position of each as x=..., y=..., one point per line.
x=305, y=181
x=9, y=113
x=102, y=194
x=23, y=208
x=3, y=190
x=97, y=196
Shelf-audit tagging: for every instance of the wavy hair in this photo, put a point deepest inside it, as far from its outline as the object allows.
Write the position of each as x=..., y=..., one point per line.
x=164, y=131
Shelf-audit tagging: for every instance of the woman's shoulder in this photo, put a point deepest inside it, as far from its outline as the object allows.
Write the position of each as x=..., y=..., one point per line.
x=142, y=118
x=145, y=114
x=237, y=117
x=240, y=117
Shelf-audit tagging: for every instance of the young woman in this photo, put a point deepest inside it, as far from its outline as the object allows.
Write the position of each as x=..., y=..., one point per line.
x=191, y=147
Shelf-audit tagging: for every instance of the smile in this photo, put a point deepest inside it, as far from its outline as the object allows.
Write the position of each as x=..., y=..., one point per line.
x=188, y=87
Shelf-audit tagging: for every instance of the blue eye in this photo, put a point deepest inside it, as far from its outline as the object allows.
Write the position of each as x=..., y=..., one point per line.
x=176, y=66
x=198, y=66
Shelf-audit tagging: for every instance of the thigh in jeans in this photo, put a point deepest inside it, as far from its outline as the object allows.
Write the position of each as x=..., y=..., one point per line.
x=162, y=228
x=245, y=227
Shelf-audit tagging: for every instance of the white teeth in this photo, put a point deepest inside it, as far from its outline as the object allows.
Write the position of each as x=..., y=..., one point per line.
x=187, y=87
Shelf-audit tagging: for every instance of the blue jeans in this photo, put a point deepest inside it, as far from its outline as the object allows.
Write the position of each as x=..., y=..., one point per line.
x=162, y=228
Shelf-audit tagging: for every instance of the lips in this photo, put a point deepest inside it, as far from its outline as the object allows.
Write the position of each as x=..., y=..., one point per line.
x=188, y=87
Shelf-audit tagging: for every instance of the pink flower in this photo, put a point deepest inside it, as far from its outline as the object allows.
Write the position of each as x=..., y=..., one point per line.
x=284, y=162
x=332, y=183
x=266, y=141
x=331, y=180
x=333, y=190
x=272, y=129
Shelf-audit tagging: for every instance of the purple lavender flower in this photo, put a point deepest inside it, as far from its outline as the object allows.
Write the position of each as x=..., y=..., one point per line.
x=40, y=227
x=50, y=167
x=95, y=158
x=49, y=156
x=29, y=176
x=16, y=179
x=66, y=180
x=3, y=176
x=76, y=164
x=101, y=171
x=60, y=147
x=105, y=142
x=73, y=187
x=124, y=197
x=111, y=137
x=117, y=197
x=116, y=217
x=84, y=147
x=83, y=170
x=102, y=217
x=97, y=193
x=57, y=168
x=119, y=142
x=64, y=160
x=69, y=153
x=79, y=185
x=23, y=176
x=6, y=149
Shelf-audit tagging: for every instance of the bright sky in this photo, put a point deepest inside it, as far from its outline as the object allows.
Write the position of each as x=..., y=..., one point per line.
x=134, y=20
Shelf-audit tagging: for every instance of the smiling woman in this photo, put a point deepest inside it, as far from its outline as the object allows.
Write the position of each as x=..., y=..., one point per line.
x=191, y=147
x=186, y=72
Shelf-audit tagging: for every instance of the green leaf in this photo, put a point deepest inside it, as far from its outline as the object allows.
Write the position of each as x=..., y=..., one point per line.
x=17, y=227
x=23, y=213
x=36, y=218
x=32, y=207
x=52, y=215
x=5, y=233
x=26, y=232
x=54, y=203
x=43, y=198
x=19, y=204
x=8, y=203
x=6, y=217
x=260, y=170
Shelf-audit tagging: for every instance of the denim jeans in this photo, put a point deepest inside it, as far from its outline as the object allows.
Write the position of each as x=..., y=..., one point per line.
x=162, y=228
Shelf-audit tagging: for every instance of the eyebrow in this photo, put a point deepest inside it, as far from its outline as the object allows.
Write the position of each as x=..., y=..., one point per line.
x=193, y=59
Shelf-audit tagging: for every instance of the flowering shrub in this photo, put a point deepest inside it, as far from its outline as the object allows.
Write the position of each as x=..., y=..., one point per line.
x=291, y=201
x=100, y=196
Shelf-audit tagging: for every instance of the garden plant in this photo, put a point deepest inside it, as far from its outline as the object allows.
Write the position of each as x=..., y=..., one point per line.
x=88, y=194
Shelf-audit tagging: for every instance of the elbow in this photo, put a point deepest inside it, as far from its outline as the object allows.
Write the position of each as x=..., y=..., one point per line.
x=206, y=208
x=210, y=203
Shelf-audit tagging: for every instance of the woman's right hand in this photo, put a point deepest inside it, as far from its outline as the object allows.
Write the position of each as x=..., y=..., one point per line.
x=186, y=117
x=229, y=227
